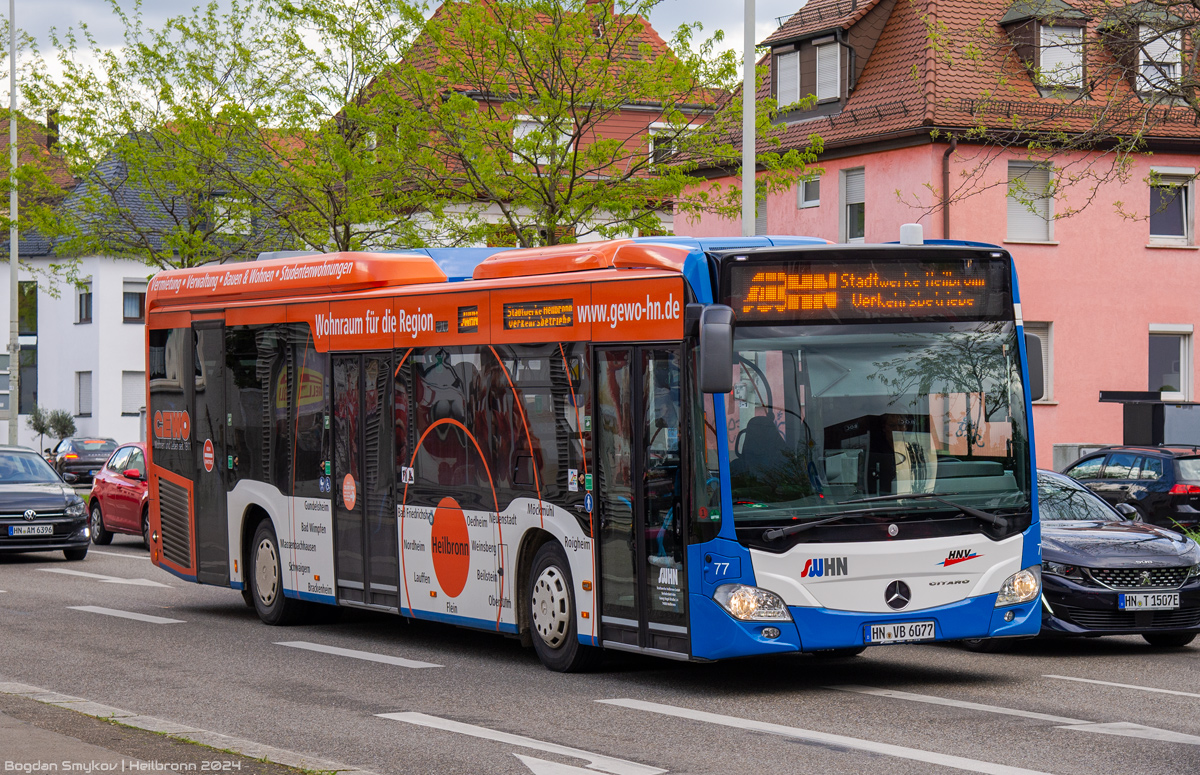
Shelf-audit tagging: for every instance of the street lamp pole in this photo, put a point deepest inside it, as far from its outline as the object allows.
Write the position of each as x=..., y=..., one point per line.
x=748, y=140
x=14, y=338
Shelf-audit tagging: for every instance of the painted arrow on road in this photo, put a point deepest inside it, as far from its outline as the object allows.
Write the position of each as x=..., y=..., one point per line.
x=543, y=767
x=106, y=579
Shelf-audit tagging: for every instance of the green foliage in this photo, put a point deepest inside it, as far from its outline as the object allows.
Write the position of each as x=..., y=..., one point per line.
x=39, y=422
x=61, y=423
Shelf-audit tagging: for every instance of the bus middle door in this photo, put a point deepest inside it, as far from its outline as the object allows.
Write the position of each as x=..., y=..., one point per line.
x=639, y=465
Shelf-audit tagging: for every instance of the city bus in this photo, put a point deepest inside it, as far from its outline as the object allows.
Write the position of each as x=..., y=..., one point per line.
x=694, y=449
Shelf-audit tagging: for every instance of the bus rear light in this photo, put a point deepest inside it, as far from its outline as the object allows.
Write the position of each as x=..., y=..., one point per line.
x=1185, y=489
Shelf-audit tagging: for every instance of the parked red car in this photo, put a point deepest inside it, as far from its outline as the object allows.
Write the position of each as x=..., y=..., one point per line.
x=119, y=502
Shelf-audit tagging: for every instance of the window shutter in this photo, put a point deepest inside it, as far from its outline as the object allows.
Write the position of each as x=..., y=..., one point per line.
x=760, y=219
x=83, y=393
x=1028, y=220
x=1159, y=58
x=1042, y=331
x=827, y=71
x=133, y=391
x=787, y=73
x=856, y=187
x=1062, y=56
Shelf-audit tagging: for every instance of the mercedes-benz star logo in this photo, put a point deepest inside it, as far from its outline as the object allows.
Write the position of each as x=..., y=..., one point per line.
x=897, y=595
x=30, y=515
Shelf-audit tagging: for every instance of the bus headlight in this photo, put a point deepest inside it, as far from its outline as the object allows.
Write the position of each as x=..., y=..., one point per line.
x=1021, y=587
x=751, y=604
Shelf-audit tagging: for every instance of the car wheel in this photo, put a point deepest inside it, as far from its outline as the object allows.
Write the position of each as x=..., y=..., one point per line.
x=988, y=645
x=267, y=578
x=100, y=536
x=146, y=528
x=551, y=609
x=1169, y=640
x=75, y=554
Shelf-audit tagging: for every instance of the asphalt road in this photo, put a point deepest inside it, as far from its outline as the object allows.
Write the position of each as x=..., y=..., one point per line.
x=1089, y=706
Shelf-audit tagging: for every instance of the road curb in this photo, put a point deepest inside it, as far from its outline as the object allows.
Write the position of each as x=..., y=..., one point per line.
x=182, y=732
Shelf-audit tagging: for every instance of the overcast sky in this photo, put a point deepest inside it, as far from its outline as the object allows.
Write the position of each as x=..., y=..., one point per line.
x=38, y=16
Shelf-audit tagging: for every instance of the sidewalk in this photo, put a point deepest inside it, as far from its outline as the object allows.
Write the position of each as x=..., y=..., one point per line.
x=36, y=737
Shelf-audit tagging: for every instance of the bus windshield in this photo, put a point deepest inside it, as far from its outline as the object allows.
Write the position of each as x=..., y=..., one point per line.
x=821, y=416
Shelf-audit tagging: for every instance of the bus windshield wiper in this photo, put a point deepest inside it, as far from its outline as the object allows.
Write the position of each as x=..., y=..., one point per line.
x=983, y=516
x=780, y=532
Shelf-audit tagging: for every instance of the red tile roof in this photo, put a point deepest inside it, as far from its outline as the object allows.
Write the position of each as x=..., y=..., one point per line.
x=819, y=15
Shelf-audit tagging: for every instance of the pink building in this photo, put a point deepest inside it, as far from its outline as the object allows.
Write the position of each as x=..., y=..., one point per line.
x=1113, y=289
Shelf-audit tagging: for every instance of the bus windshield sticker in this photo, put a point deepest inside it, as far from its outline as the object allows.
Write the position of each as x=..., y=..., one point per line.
x=559, y=313
x=468, y=319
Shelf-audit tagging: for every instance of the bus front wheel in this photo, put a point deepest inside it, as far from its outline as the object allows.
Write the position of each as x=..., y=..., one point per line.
x=267, y=578
x=551, y=608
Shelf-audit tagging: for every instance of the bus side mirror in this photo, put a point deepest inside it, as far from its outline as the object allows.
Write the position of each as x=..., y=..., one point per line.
x=716, y=349
x=1037, y=377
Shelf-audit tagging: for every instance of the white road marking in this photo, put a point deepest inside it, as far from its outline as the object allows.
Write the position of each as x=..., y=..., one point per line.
x=105, y=579
x=94, y=609
x=870, y=746
x=956, y=703
x=543, y=767
x=367, y=655
x=1122, y=686
x=1126, y=728
x=596, y=761
x=117, y=554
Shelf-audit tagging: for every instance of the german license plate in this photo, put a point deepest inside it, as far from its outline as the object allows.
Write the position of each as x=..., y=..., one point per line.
x=902, y=632
x=31, y=530
x=1148, y=601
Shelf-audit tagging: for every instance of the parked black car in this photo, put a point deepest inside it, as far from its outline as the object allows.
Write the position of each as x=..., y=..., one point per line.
x=38, y=510
x=1161, y=483
x=1106, y=574
x=82, y=457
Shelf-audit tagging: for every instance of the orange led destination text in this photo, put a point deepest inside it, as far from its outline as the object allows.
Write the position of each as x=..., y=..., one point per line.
x=781, y=291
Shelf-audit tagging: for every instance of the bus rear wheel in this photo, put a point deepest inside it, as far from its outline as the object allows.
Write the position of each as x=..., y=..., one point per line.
x=551, y=609
x=266, y=577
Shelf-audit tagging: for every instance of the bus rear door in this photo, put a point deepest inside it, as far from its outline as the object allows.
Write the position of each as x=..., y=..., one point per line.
x=643, y=586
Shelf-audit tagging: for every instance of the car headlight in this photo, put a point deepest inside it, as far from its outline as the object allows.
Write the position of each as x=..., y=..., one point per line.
x=1194, y=572
x=75, y=509
x=751, y=604
x=1021, y=587
x=1066, y=571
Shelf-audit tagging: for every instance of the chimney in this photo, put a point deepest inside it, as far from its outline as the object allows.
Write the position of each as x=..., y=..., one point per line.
x=51, y=129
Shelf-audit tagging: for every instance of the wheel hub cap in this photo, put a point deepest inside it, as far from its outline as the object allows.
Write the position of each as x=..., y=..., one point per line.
x=266, y=564
x=551, y=607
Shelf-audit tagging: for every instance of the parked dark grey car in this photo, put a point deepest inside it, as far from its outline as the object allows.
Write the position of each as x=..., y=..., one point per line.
x=81, y=457
x=38, y=510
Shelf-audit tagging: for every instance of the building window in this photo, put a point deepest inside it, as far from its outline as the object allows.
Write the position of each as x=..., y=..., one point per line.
x=1171, y=208
x=27, y=307
x=787, y=79
x=535, y=141
x=662, y=143
x=808, y=193
x=134, y=301
x=1045, y=332
x=828, y=81
x=133, y=392
x=760, y=219
x=29, y=379
x=83, y=302
x=1170, y=363
x=83, y=394
x=1030, y=205
x=1061, y=56
x=1159, y=58
x=231, y=214
x=854, y=209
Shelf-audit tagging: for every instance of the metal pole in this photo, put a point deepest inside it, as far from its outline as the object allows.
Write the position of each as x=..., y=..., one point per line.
x=748, y=140
x=14, y=337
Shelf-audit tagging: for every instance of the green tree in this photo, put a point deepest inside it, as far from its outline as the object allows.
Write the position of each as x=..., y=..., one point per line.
x=39, y=422
x=61, y=423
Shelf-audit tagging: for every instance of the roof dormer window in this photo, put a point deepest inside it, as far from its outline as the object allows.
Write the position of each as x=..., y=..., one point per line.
x=1061, y=57
x=1159, y=57
x=787, y=79
x=828, y=80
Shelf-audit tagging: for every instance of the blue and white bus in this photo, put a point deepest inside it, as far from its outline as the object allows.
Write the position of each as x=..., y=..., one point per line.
x=690, y=448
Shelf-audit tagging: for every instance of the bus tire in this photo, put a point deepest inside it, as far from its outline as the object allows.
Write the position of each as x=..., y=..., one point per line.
x=551, y=609
x=267, y=579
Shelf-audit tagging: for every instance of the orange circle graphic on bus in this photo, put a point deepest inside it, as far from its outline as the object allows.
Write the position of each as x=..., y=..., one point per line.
x=349, y=492
x=450, y=546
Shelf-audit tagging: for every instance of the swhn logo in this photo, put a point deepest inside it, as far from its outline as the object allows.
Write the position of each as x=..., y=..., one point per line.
x=825, y=566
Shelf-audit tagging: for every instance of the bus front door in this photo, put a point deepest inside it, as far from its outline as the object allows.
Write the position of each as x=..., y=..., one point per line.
x=212, y=464
x=643, y=584
x=365, y=545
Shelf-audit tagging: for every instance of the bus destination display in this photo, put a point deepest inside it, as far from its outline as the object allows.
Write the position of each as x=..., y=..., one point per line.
x=539, y=314
x=876, y=290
